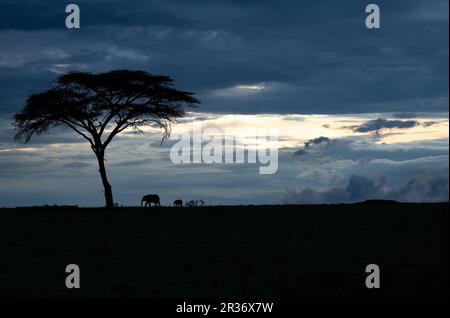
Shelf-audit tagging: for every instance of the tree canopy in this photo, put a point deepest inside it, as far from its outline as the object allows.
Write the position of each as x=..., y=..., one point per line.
x=88, y=103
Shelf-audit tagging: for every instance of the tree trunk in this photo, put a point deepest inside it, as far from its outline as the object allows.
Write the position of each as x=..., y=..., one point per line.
x=107, y=187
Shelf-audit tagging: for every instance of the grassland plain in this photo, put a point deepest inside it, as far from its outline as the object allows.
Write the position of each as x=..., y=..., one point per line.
x=227, y=251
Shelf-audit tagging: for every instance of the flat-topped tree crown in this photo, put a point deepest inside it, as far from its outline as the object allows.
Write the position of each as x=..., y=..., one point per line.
x=100, y=106
x=91, y=102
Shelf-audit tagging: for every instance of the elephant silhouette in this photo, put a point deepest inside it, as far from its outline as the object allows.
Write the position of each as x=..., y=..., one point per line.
x=149, y=199
x=178, y=203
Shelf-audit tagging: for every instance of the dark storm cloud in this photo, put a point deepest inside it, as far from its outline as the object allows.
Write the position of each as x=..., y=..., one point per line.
x=50, y=14
x=317, y=141
x=379, y=124
x=311, y=57
x=320, y=141
x=423, y=188
x=363, y=149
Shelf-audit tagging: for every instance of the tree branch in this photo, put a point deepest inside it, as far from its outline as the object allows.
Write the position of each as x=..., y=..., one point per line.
x=72, y=125
x=114, y=132
x=106, y=122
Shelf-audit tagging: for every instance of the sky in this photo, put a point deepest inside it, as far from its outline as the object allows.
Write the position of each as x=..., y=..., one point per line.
x=361, y=113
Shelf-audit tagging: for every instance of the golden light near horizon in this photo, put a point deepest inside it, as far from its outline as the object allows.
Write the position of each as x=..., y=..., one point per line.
x=439, y=130
x=294, y=130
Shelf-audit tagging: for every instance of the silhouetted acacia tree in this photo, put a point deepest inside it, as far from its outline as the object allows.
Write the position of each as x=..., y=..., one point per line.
x=100, y=106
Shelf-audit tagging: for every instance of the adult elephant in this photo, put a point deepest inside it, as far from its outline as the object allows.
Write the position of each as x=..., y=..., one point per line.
x=149, y=199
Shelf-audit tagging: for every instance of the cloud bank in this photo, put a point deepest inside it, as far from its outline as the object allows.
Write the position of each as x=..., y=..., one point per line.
x=295, y=57
x=424, y=188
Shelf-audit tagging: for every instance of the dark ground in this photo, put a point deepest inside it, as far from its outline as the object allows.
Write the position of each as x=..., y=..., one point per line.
x=281, y=251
